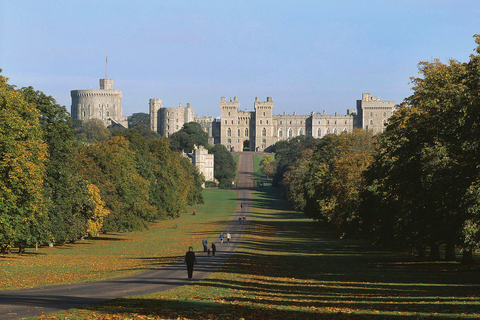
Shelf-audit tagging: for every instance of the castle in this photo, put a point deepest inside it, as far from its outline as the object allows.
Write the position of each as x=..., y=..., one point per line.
x=260, y=129
x=237, y=130
x=104, y=104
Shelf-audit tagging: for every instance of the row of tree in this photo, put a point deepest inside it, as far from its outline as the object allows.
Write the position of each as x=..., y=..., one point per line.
x=416, y=185
x=55, y=188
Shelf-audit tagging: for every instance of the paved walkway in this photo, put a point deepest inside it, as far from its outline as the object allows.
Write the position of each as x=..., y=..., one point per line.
x=18, y=304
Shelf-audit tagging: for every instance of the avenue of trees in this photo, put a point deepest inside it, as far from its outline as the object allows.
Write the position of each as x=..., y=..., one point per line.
x=417, y=185
x=61, y=181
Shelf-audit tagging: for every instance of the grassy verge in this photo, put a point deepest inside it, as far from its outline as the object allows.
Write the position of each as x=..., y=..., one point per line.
x=118, y=254
x=288, y=267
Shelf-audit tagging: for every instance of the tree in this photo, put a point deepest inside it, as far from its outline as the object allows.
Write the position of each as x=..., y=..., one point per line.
x=268, y=165
x=189, y=136
x=64, y=189
x=426, y=167
x=137, y=119
x=287, y=152
x=111, y=166
x=93, y=131
x=22, y=157
x=225, y=167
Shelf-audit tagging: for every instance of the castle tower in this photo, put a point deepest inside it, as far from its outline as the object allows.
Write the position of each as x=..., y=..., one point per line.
x=104, y=104
x=228, y=127
x=155, y=105
x=373, y=113
x=264, y=126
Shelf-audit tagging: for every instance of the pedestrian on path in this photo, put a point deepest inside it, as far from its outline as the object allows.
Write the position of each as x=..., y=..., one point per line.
x=190, y=260
x=244, y=220
x=204, y=242
x=228, y=237
x=240, y=220
x=214, y=248
x=221, y=237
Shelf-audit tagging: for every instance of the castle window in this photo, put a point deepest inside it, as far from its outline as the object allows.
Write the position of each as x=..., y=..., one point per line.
x=264, y=140
x=267, y=121
x=229, y=114
x=371, y=114
x=318, y=121
x=371, y=122
x=232, y=121
x=264, y=132
x=238, y=131
x=300, y=132
x=229, y=140
x=290, y=133
x=345, y=130
x=280, y=122
x=108, y=114
x=84, y=113
x=335, y=121
x=328, y=121
x=264, y=114
x=319, y=132
x=290, y=122
x=301, y=122
x=260, y=121
x=384, y=114
x=335, y=130
x=280, y=133
x=345, y=121
x=246, y=132
x=229, y=132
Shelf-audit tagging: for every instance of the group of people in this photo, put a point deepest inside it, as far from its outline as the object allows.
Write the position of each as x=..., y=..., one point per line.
x=191, y=260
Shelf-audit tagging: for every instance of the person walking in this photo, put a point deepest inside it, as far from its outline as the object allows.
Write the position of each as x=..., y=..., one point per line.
x=244, y=220
x=190, y=260
x=204, y=242
x=221, y=237
x=228, y=237
x=214, y=248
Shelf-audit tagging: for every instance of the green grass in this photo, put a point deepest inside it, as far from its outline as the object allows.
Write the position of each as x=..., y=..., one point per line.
x=289, y=267
x=119, y=254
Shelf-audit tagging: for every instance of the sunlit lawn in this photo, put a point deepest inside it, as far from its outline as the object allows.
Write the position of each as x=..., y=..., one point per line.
x=288, y=267
x=119, y=254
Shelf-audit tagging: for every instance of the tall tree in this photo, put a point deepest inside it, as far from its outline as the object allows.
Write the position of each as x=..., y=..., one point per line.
x=65, y=190
x=225, y=167
x=137, y=119
x=22, y=157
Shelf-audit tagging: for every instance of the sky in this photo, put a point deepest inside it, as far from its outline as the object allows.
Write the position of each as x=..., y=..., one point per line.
x=309, y=56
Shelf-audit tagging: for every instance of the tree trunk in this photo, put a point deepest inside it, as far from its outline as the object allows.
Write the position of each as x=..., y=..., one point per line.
x=434, y=253
x=450, y=252
x=21, y=249
x=467, y=257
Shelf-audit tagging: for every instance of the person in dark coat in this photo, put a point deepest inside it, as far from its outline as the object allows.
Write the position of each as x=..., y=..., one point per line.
x=214, y=248
x=190, y=260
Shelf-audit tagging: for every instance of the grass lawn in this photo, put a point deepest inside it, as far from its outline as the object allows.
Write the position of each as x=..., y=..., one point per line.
x=288, y=267
x=119, y=254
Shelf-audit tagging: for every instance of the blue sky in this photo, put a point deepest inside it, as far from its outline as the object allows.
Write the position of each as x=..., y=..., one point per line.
x=307, y=55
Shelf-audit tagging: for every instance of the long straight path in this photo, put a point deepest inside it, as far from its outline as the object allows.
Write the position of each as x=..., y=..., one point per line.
x=18, y=304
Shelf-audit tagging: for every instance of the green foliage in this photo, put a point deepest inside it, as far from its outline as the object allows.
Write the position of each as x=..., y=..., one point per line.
x=111, y=166
x=92, y=131
x=225, y=167
x=175, y=186
x=287, y=152
x=268, y=165
x=23, y=154
x=137, y=119
x=422, y=183
x=189, y=136
x=66, y=193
